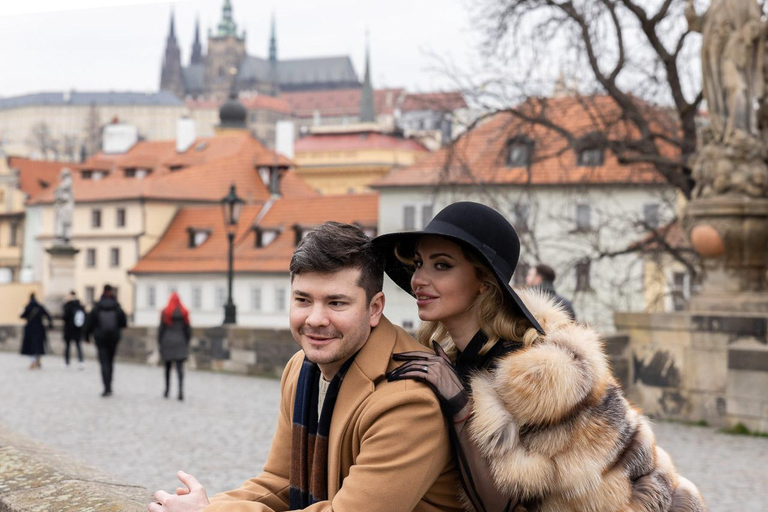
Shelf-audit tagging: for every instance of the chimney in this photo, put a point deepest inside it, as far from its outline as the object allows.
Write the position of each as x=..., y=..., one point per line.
x=185, y=134
x=284, y=135
x=119, y=138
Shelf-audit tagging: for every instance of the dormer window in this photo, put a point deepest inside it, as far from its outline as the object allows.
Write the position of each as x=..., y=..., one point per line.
x=590, y=150
x=300, y=232
x=174, y=168
x=133, y=172
x=197, y=237
x=86, y=175
x=265, y=236
x=519, y=152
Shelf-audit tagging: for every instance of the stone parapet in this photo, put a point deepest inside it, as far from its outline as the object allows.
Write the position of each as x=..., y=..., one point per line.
x=34, y=477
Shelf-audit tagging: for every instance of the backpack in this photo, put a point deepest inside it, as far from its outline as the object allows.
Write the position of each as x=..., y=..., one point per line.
x=78, y=320
x=108, y=321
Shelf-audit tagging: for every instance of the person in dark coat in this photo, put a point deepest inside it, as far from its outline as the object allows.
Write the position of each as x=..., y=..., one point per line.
x=173, y=338
x=542, y=277
x=74, y=321
x=105, y=322
x=35, y=337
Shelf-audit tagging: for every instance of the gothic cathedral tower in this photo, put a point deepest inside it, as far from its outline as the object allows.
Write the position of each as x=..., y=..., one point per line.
x=171, y=78
x=226, y=52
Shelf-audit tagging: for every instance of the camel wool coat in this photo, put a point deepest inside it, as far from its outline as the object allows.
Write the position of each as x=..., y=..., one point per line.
x=388, y=448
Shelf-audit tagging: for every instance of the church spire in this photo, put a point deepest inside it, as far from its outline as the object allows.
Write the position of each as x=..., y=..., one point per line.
x=273, y=41
x=171, y=78
x=197, y=48
x=227, y=26
x=367, y=109
x=172, y=29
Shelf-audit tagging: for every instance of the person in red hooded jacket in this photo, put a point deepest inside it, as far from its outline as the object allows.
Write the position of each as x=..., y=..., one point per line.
x=173, y=338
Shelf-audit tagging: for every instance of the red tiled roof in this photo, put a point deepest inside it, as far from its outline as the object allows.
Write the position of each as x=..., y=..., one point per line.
x=172, y=253
x=206, y=177
x=340, y=102
x=35, y=176
x=349, y=141
x=258, y=102
x=479, y=156
x=440, y=101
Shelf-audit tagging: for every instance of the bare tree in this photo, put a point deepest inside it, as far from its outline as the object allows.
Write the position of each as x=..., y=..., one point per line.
x=93, y=130
x=43, y=141
x=70, y=145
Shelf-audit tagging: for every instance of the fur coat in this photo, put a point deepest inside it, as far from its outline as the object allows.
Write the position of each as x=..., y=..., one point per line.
x=557, y=431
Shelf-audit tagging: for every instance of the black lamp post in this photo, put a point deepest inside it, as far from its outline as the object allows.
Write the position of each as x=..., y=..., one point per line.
x=231, y=206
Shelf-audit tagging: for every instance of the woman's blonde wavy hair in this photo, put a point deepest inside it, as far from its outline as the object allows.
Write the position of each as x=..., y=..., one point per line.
x=495, y=314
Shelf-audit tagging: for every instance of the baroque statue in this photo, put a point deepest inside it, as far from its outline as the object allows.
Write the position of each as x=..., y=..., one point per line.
x=732, y=151
x=64, y=207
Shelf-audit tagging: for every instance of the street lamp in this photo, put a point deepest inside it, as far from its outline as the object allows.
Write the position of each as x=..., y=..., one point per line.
x=231, y=206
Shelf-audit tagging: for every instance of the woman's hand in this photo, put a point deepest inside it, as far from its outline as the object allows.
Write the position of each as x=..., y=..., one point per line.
x=436, y=371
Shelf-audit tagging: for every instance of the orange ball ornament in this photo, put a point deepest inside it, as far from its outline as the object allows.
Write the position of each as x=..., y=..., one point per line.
x=707, y=241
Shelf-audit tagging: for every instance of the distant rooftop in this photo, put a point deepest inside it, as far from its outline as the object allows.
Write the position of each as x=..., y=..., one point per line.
x=87, y=98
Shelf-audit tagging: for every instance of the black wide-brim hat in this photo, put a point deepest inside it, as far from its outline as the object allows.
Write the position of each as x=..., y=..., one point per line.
x=472, y=225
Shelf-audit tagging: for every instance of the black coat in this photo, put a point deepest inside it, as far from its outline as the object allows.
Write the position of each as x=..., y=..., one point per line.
x=107, y=306
x=71, y=331
x=174, y=339
x=35, y=337
x=549, y=289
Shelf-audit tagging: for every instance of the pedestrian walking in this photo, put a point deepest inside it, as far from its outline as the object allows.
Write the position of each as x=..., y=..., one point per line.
x=173, y=338
x=105, y=322
x=35, y=338
x=74, y=321
x=542, y=277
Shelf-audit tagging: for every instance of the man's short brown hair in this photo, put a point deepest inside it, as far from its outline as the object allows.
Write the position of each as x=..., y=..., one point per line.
x=546, y=272
x=334, y=246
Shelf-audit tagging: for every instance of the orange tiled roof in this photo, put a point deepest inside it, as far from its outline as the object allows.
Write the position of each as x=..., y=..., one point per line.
x=204, y=177
x=172, y=253
x=479, y=156
x=440, y=101
x=349, y=141
x=340, y=102
x=257, y=102
x=35, y=176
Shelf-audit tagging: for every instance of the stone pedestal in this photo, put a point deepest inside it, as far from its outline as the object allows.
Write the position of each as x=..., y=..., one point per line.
x=61, y=276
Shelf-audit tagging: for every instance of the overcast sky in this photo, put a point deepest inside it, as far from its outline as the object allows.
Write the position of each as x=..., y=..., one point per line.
x=98, y=45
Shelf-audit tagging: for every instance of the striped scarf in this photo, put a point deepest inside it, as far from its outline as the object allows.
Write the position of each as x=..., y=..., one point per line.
x=309, y=436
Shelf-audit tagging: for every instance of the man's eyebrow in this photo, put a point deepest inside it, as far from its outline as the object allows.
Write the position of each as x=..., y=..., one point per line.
x=300, y=293
x=335, y=296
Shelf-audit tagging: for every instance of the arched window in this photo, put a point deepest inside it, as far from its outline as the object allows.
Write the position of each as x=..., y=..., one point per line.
x=519, y=152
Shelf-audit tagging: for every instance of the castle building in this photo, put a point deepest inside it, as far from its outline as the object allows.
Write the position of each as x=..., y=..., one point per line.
x=210, y=74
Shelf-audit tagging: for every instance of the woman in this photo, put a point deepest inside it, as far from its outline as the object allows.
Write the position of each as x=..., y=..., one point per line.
x=173, y=337
x=539, y=422
x=35, y=337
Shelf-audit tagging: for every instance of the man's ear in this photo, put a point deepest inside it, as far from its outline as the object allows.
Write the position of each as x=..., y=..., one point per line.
x=376, y=308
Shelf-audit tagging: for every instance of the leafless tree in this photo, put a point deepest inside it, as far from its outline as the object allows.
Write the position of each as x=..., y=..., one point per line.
x=70, y=145
x=93, y=130
x=43, y=141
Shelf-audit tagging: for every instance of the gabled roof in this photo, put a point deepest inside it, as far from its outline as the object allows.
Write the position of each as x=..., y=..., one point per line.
x=36, y=176
x=480, y=156
x=172, y=254
x=356, y=141
x=257, y=102
x=340, y=102
x=439, y=101
x=205, y=174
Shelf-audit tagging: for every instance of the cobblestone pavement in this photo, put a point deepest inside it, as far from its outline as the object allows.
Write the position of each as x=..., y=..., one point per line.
x=222, y=431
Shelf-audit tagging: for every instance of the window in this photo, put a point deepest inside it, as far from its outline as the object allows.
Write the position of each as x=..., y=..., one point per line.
x=90, y=258
x=583, y=217
x=582, y=276
x=86, y=175
x=519, y=152
x=221, y=296
x=408, y=325
x=426, y=214
x=197, y=237
x=120, y=219
x=114, y=257
x=129, y=173
x=95, y=218
x=280, y=296
x=681, y=290
x=651, y=215
x=151, y=298
x=590, y=157
x=520, y=214
x=197, y=297
x=14, y=240
x=409, y=217
x=90, y=295
x=255, y=298
x=264, y=237
x=521, y=271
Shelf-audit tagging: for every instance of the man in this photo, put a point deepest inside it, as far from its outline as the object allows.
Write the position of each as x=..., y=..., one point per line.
x=105, y=322
x=74, y=320
x=386, y=447
x=543, y=277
